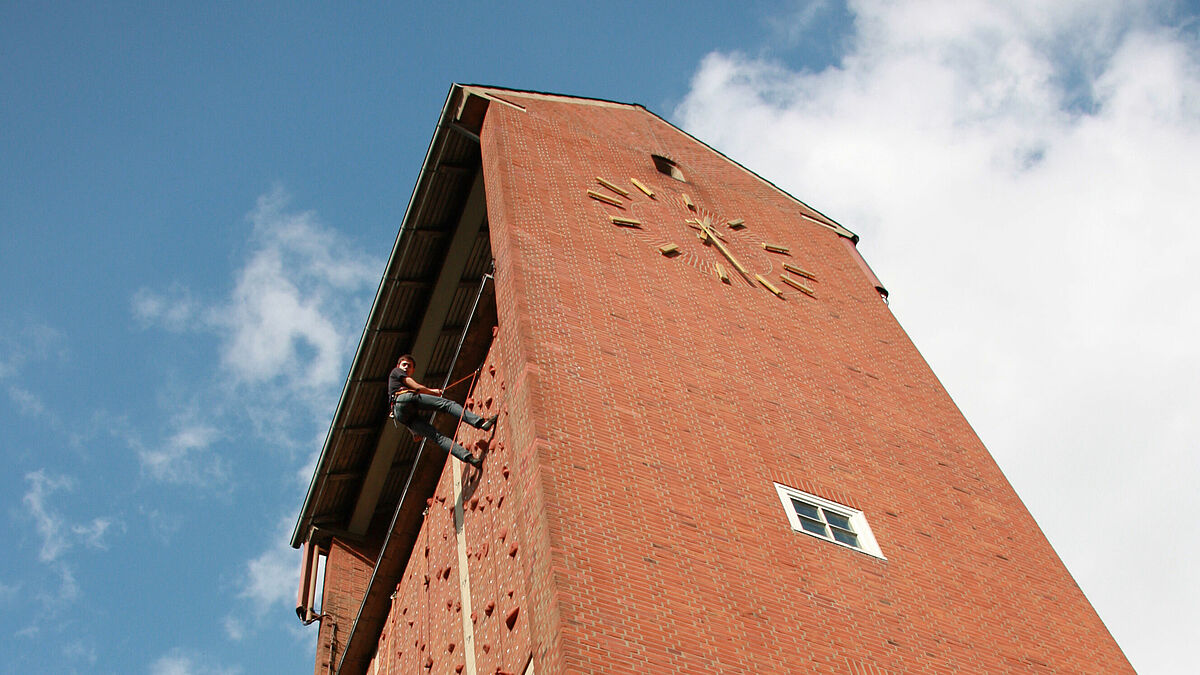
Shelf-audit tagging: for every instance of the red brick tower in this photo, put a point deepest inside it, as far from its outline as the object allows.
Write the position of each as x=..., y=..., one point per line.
x=717, y=450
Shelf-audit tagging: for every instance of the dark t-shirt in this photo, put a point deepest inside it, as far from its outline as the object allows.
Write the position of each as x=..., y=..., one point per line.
x=396, y=382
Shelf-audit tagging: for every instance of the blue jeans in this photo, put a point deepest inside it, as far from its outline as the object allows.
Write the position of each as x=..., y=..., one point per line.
x=407, y=407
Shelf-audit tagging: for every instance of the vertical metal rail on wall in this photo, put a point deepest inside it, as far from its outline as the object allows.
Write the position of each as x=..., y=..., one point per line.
x=467, y=327
x=464, y=579
x=460, y=534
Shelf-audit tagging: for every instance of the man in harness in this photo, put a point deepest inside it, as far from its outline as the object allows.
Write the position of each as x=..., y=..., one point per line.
x=409, y=397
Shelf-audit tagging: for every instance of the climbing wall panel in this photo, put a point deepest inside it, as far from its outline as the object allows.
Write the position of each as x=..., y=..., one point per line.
x=425, y=630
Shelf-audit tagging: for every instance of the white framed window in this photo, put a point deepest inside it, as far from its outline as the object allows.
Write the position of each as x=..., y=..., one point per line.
x=823, y=519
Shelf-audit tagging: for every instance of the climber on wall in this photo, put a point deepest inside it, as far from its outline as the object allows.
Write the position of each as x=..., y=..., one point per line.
x=409, y=397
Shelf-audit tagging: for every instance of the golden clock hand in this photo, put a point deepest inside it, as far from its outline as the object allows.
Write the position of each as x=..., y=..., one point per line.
x=696, y=224
x=725, y=252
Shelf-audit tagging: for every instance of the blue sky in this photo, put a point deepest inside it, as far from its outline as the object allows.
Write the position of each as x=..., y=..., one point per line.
x=197, y=200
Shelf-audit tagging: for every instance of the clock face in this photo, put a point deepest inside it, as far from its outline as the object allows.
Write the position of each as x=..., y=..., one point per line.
x=724, y=247
x=721, y=246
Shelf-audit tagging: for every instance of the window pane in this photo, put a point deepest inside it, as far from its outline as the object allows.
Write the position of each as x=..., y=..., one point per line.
x=838, y=520
x=806, y=510
x=814, y=526
x=846, y=537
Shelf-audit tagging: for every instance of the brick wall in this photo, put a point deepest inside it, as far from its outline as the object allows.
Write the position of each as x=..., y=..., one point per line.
x=348, y=568
x=625, y=518
x=651, y=407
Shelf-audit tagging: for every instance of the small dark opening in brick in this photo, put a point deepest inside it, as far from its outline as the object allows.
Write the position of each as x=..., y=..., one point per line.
x=668, y=167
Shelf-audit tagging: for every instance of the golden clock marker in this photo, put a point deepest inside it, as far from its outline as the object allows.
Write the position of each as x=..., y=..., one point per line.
x=796, y=270
x=721, y=273
x=774, y=248
x=619, y=190
x=605, y=198
x=668, y=249
x=625, y=222
x=638, y=184
x=738, y=224
x=798, y=286
x=768, y=285
x=642, y=187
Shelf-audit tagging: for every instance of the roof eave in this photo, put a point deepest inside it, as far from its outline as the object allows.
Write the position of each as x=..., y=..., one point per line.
x=321, y=471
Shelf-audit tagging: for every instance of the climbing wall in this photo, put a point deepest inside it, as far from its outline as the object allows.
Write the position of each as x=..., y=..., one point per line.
x=447, y=617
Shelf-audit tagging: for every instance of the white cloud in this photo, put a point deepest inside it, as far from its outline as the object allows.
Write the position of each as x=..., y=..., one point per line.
x=175, y=310
x=267, y=584
x=1025, y=168
x=272, y=578
x=28, y=403
x=290, y=322
x=234, y=628
x=56, y=534
x=185, y=457
x=92, y=534
x=287, y=320
x=181, y=662
x=19, y=347
x=163, y=525
x=50, y=602
x=804, y=16
x=68, y=588
x=79, y=650
x=29, y=342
